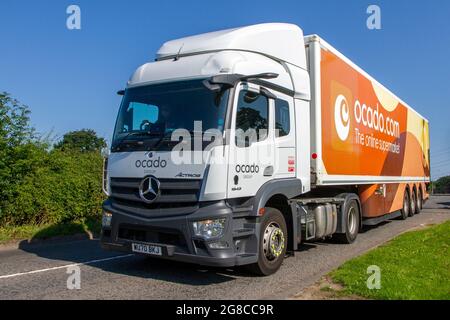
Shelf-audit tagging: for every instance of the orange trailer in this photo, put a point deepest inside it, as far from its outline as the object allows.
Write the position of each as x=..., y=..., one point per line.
x=363, y=136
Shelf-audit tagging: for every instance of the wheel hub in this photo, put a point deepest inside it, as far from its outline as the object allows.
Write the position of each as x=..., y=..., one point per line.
x=406, y=206
x=413, y=204
x=351, y=221
x=273, y=242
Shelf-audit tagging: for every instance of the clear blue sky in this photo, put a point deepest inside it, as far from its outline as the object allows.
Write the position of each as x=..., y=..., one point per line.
x=69, y=78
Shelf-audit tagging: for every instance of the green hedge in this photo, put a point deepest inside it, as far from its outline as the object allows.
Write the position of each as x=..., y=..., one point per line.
x=54, y=187
x=44, y=185
x=442, y=185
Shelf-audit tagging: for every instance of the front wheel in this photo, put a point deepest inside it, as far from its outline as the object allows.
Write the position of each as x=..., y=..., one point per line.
x=272, y=243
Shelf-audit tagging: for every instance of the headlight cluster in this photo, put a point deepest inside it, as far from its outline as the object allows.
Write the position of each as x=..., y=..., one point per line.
x=209, y=228
x=106, y=219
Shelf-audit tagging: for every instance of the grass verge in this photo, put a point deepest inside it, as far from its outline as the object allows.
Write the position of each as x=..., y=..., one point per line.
x=415, y=265
x=45, y=231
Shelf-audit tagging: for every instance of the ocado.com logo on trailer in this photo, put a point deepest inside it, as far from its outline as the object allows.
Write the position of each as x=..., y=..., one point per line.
x=365, y=115
x=342, y=117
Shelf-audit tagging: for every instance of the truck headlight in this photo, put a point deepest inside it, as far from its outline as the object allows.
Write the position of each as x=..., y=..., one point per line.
x=106, y=219
x=209, y=228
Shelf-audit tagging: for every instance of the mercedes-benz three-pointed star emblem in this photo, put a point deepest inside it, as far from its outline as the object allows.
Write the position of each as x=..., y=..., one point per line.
x=149, y=189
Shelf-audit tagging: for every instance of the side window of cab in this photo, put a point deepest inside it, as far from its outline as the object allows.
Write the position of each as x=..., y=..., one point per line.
x=252, y=118
x=282, y=118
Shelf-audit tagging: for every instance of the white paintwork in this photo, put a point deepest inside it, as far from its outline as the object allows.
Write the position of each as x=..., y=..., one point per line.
x=213, y=162
x=316, y=100
x=303, y=162
x=285, y=146
x=170, y=70
x=281, y=41
x=268, y=47
x=300, y=81
x=214, y=186
x=210, y=64
x=123, y=165
x=351, y=180
x=253, y=155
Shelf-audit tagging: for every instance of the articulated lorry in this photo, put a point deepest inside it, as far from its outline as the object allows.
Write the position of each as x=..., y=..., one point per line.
x=234, y=147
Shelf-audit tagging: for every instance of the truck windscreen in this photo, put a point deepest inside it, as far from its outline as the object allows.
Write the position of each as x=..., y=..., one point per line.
x=149, y=114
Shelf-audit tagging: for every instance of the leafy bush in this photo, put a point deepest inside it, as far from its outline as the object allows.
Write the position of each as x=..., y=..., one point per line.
x=39, y=185
x=64, y=187
x=442, y=185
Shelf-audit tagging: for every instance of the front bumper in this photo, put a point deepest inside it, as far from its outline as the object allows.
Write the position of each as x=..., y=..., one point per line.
x=174, y=234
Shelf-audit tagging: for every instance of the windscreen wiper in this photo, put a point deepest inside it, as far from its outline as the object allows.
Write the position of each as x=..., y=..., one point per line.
x=135, y=133
x=165, y=136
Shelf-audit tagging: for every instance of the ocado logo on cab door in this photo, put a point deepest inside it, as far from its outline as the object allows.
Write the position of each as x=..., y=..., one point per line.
x=342, y=117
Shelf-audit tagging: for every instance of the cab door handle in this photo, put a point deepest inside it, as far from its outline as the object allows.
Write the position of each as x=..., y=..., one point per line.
x=268, y=171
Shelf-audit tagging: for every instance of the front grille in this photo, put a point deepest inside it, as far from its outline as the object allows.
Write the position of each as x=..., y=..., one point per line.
x=174, y=192
x=132, y=233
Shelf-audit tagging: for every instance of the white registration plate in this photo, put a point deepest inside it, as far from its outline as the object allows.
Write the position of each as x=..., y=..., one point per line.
x=146, y=248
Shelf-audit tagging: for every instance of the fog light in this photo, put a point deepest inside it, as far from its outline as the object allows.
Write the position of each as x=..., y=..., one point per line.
x=219, y=245
x=209, y=228
x=106, y=219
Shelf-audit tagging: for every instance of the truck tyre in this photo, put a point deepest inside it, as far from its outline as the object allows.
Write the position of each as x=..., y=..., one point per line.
x=272, y=243
x=419, y=204
x=351, y=218
x=405, y=208
x=412, y=208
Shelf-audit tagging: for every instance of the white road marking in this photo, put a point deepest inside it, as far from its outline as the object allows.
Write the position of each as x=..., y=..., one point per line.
x=65, y=266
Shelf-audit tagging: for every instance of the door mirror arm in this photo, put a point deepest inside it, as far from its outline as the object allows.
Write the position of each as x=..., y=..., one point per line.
x=267, y=93
x=229, y=80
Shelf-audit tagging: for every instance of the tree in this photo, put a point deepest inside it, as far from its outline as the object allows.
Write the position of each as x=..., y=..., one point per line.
x=249, y=118
x=442, y=185
x=15, y=126
x=19, y=148
x=16, y=135
x=81, y=140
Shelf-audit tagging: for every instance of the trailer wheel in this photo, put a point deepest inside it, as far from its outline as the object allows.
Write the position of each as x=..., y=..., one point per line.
x=352, y=223
x=405, y=209
x=272, y=243
x=419, y=204
x=412, y=208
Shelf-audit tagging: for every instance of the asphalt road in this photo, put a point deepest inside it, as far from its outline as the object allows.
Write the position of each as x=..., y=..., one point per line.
x=40, y=271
